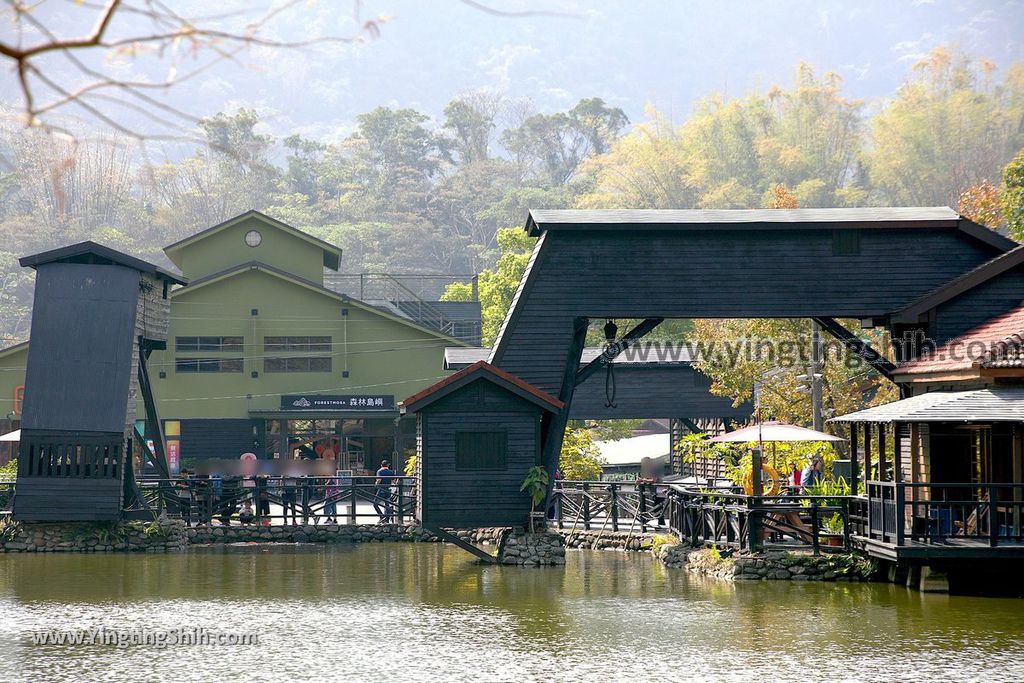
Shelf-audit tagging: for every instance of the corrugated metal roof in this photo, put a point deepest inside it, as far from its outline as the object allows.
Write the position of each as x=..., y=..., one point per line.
x=997, y=404
x=921, y=216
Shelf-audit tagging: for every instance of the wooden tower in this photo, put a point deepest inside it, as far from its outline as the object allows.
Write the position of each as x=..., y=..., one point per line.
x=97, y=314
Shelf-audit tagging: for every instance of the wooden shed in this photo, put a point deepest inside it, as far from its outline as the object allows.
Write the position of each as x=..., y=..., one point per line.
x=477, y=433
x=97, y=315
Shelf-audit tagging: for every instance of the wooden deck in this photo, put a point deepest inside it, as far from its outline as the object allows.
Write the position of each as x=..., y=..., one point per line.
x=950, y=548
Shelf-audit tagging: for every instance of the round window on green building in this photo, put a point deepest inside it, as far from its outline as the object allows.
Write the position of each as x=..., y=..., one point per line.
x=253, y=238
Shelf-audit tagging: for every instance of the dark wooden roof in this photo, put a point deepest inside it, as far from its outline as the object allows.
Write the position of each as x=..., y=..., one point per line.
x=969, y=280
x=93, y=253
x=479, y=370
x=332, y=253
x=539, y=221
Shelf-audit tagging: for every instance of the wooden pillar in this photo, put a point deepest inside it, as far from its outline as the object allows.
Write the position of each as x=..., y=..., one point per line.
x=282, y=440
x=553, y=426
x=754, y=502
x=1018, y=477
x=897, y=455
x=902, y=517
x=881, y=452
x=854, y=466
x=867, y=453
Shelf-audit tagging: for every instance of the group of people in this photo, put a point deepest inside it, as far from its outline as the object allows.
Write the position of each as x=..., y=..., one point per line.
x=203, y=495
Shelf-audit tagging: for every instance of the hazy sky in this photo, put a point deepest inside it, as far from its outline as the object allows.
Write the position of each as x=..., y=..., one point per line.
x=668, y=53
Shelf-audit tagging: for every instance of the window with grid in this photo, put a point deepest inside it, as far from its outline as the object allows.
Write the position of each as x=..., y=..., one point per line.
x=207, y=344
x=302, y=343
x=298, y=364
x=481, y=450
x=208, y=365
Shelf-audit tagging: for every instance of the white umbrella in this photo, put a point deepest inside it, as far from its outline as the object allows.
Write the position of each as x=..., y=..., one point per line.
x=12, y=436
x=774, y=431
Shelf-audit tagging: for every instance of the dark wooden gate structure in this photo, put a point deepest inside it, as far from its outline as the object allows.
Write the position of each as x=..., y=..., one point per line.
x=868, y=264
x=97, y=314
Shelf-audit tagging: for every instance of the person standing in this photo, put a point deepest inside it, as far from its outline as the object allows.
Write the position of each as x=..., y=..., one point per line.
x=813, y=473
x=382, y=499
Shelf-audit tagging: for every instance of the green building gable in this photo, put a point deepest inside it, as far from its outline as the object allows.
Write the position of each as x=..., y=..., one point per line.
x=254, y=236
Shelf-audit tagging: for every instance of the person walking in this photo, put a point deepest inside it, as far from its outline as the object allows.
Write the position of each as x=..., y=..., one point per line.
x=382, y=499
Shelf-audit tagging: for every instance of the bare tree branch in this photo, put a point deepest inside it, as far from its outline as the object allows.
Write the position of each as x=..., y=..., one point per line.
x=170, y=31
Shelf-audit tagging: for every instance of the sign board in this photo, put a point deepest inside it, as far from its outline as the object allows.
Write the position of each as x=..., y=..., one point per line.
x=247, y=457
x=322, y=402
x=172, y=437
x=344, y=477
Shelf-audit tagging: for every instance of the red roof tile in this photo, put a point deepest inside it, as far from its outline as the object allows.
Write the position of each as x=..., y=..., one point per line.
x=996, y=343
x=484, y=366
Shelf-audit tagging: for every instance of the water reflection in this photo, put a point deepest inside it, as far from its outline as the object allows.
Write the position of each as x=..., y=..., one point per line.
x=426, y=611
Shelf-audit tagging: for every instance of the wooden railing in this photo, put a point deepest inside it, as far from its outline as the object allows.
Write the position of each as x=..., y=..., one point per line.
x=283, y=499
x=899, y=512
x=722, y=518
x=609, y=505
x=746, y=522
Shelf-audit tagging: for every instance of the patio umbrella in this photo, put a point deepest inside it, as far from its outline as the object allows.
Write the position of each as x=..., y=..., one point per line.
x=774, y=431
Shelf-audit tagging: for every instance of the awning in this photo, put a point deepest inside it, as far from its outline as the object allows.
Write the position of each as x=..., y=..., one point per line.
x=998, y=404
x=12, y=436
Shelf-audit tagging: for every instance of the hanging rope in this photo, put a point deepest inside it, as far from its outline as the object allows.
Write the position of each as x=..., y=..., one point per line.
x=609, y=387
x=611, y=330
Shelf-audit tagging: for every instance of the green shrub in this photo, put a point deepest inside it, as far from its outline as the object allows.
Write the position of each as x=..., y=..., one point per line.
x=659, y=540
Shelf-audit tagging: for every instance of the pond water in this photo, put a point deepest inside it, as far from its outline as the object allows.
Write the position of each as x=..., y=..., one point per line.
x=424, y=611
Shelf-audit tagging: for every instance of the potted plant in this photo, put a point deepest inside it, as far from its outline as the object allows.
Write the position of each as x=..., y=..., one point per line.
x=536, y=485
x=832, y=528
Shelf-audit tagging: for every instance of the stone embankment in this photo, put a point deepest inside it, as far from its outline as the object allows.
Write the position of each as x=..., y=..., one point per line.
x=538, y=549
x=92, y=537
x=772, y=565
x=607, y=540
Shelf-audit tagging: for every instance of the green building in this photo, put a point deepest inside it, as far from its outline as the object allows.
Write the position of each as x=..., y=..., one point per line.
x=262, y=357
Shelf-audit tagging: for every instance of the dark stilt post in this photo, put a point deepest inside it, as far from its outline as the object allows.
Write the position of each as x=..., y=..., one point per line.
x=867, y=453
x=354, y=499
x=642, y=507
x=754, y=502
x=854, y=460
x=615, y=506
x=586, y=506
x=897, y=479
x=867, y=475
x=553, y=426
x=882, y=468
x=400, y=503
x=305, y=502
x=815, y=541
